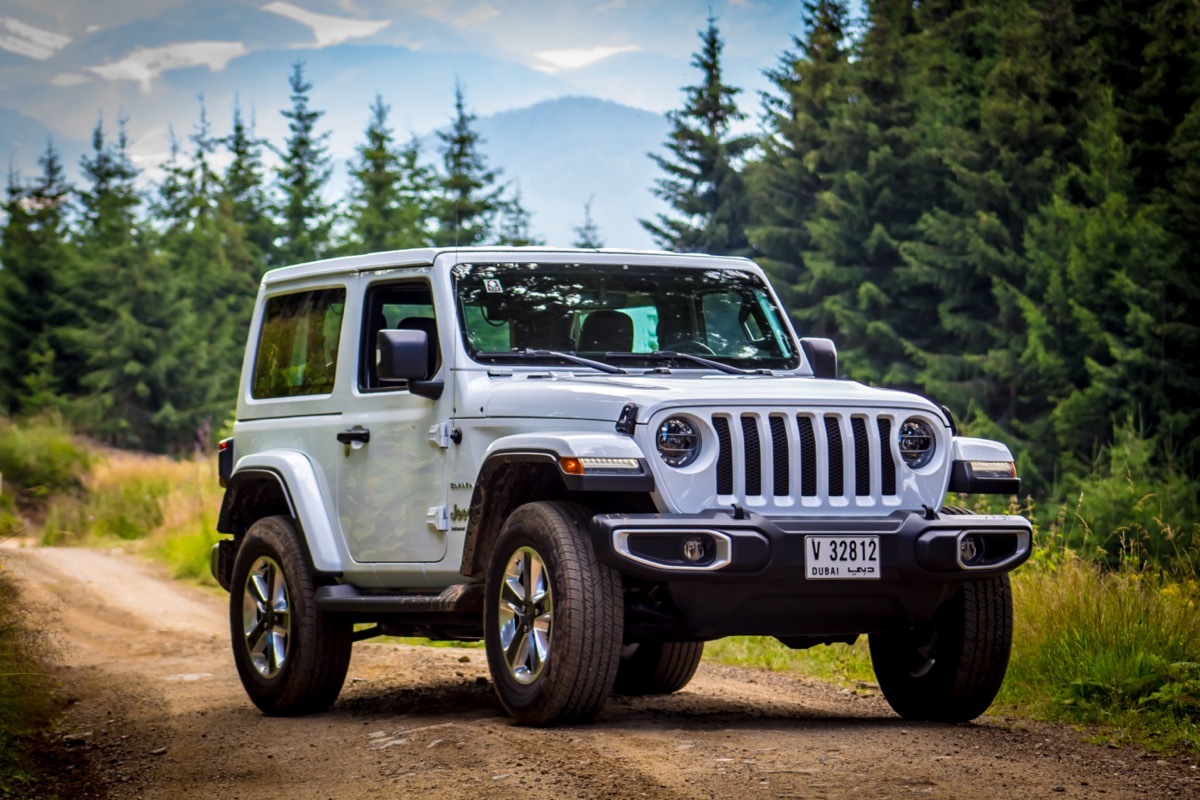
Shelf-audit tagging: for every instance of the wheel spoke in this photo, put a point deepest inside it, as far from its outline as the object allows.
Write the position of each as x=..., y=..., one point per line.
x=517, y=653
x=510, y=594
x=278, y=638
x=261, y=592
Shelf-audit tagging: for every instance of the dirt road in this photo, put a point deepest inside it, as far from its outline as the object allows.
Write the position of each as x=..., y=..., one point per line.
x=156, y=712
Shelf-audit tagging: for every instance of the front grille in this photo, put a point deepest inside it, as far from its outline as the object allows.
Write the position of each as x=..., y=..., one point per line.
x=773, y=454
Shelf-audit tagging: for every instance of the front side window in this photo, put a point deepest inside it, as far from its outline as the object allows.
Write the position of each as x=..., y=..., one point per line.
x=404, y=306
x=298, y=344
x=626, y=315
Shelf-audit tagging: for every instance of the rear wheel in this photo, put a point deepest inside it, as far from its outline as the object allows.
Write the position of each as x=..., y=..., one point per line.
x=949, y=669
x=291, y=659
x=552, y=617
x=657, y=667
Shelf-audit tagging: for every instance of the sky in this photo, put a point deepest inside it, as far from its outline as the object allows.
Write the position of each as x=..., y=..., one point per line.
x=64, y=64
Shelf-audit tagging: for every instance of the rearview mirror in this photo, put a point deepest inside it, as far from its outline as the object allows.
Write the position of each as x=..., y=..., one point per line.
x=821, y=355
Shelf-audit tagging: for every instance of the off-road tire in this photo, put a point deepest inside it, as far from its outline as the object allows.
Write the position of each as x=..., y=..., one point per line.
x=585, y=627
x=317, y=647
x=950, y=669
x=658, y=668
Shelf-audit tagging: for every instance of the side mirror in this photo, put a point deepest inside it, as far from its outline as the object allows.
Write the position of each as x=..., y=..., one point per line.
x=821, y=355
x=403, y=355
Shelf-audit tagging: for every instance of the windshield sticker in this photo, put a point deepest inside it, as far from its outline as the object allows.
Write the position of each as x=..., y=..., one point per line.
x=493, y=286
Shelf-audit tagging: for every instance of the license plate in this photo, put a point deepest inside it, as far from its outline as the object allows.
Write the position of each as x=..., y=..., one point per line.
x=841, y=557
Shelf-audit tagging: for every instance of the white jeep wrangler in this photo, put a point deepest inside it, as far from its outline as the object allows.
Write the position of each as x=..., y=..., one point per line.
x=595, y=461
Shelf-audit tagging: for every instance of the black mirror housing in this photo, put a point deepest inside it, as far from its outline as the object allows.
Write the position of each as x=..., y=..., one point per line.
x=402, y=355
x=821, y=355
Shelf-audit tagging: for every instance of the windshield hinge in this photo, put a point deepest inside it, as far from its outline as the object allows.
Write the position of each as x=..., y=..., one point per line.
x=443, y=435
x=438, y=518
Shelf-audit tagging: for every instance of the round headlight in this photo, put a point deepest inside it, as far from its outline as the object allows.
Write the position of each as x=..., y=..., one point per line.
x=678, y=442
x=916, y=443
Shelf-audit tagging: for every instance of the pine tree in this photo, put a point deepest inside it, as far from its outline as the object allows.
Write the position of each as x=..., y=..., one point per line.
x=704, y=186
x=306, y=219
x=205, y=250
x=785, y=183
x=587, y=235
x=1114, y=343
x=131, y=309
x=244, y=191
x=514, y=228
x=1003, y=117
x=35, y=261
x=876, y=179
x=469, y=200
x=390, y=191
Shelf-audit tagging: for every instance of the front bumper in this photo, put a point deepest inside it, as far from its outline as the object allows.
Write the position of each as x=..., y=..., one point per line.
x=754, y=579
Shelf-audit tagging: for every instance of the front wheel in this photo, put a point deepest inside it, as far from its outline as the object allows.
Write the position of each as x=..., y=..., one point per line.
x=950, y=669
x=291, y=659
x=649, y=668
x=552, y=617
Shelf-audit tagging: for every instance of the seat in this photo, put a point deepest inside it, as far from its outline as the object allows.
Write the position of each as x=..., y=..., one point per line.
x=428, y=325
x=607, y=330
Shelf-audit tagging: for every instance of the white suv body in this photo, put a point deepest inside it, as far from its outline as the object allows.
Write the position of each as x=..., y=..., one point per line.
x=703, y=484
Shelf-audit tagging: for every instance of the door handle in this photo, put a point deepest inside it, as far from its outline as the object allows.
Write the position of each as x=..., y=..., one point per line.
x=361, y=435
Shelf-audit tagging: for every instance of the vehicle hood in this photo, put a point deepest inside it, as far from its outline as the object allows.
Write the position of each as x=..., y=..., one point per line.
x=565, y=395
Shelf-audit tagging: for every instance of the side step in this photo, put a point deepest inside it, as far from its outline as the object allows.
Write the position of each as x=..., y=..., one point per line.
x=462, y=598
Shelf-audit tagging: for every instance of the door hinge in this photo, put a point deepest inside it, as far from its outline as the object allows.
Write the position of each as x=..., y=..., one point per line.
x=438, y=518
x=443, y=435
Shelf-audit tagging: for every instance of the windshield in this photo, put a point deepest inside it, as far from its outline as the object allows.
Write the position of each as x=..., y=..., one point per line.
x=620, y=313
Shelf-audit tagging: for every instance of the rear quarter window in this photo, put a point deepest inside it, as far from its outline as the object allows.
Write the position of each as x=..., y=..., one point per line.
x=298, y=344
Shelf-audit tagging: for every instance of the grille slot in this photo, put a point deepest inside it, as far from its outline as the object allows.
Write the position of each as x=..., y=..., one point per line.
x=779, y=449
x=808, y=457
x=753, y=455
x=837, y=470
x=888, y=466
x=862, y=457
x=724, y=456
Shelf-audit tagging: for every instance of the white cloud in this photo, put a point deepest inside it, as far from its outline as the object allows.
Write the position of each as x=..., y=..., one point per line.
x=328, y=30
x=26, y=40
x=69, y=79
x=577, y=58
x=145, y=64
x=480, y=14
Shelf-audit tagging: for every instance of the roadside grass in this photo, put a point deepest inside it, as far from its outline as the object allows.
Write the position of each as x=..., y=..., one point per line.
x=166, y=508
x=26, y=706
x=1119, y=648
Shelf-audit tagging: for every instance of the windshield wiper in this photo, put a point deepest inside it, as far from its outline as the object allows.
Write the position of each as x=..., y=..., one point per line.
x=585, y=362
x=706, y=362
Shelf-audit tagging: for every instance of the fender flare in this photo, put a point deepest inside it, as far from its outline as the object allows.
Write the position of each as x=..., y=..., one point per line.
x=307, y=497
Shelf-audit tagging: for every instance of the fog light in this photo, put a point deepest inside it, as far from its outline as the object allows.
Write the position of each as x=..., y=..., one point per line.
x=693, y=548
x=968, y=549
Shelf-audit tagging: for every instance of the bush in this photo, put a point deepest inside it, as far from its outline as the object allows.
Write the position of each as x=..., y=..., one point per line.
x=39, y=457
x=1135, y=505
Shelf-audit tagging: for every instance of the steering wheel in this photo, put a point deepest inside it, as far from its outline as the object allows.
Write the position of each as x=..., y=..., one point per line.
x=693, y=346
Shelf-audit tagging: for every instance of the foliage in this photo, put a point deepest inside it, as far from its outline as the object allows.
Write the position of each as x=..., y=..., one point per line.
x=305, y=217
x=40, y=457
x=465, y=209
x=704, y=186
x=587, y=233
x=1115, y=647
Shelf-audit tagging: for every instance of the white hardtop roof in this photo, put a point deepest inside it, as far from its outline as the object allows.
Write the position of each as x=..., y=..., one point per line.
x=425, y=256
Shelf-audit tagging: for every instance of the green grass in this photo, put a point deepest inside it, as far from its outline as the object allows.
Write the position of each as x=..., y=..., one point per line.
x=836, y=662
x=1116, y=647
x=38, y=458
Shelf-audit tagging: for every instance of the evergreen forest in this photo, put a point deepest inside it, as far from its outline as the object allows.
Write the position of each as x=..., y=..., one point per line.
x=995, y=204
